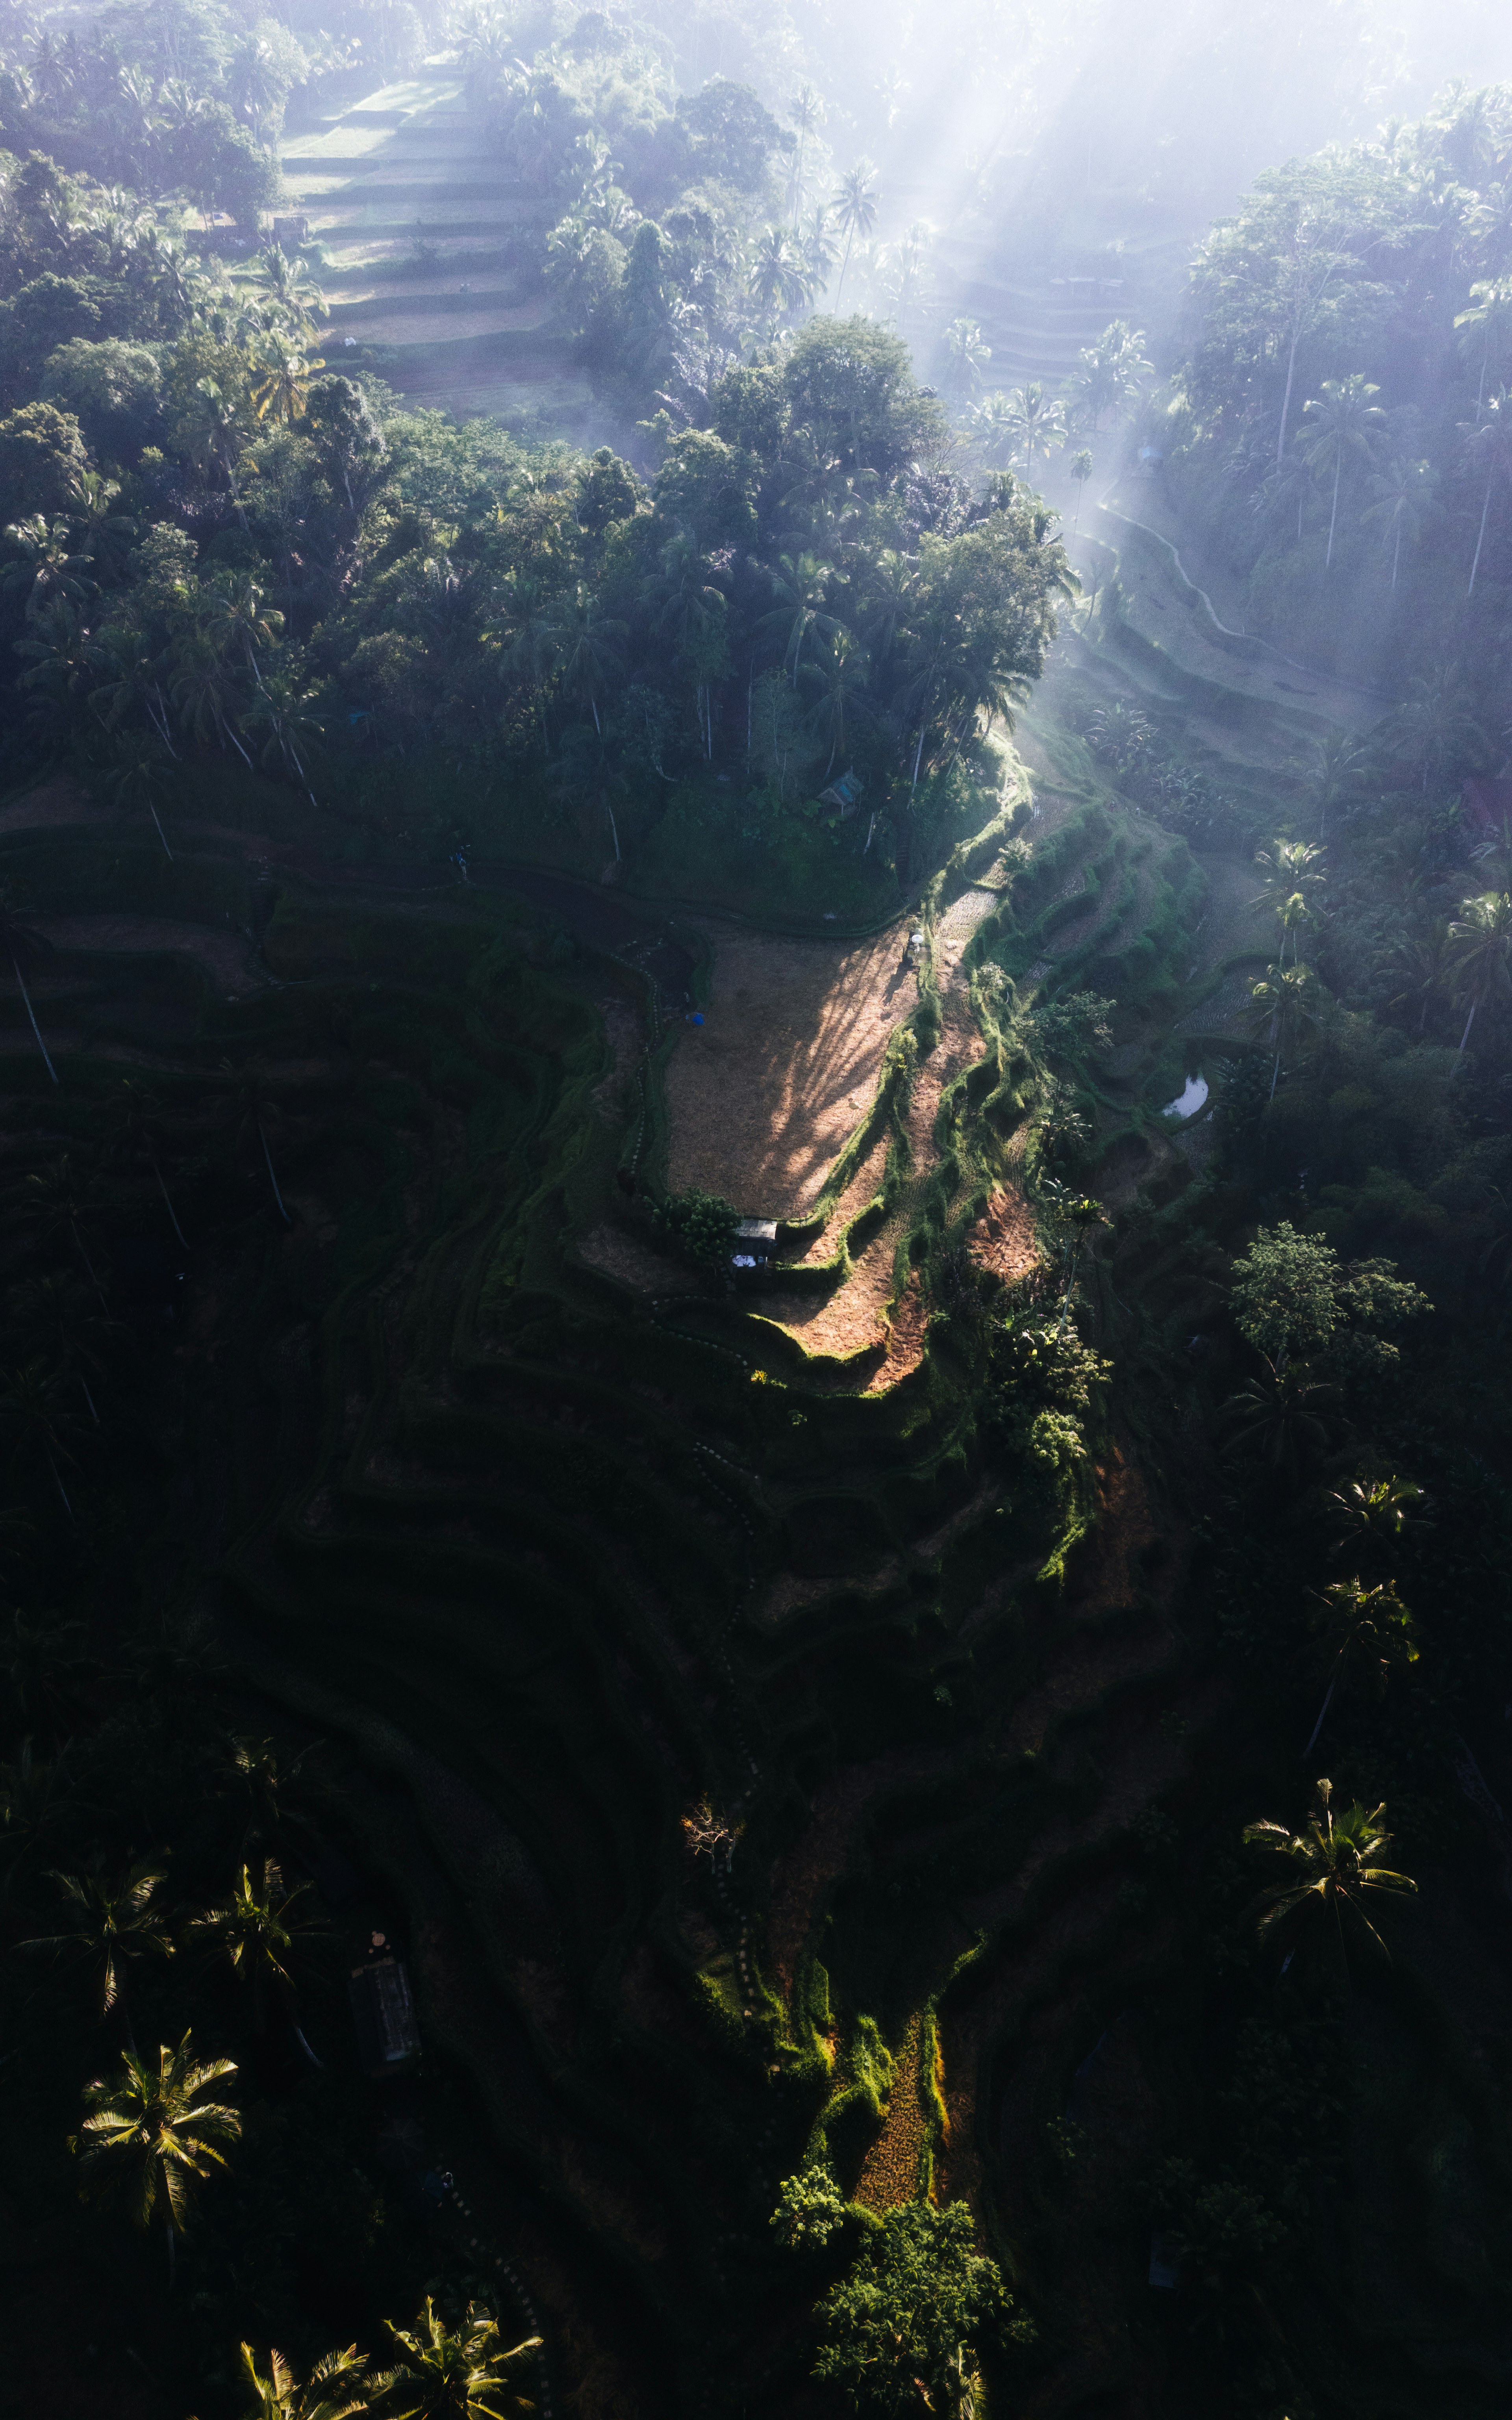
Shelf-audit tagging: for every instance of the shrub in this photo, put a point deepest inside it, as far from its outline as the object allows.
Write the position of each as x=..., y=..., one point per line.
x=701, y=1226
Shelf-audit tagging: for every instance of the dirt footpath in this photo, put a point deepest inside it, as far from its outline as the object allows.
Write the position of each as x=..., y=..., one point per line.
x=766, y=1093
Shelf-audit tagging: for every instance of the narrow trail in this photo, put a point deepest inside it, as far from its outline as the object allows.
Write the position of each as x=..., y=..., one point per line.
x=890, y=2171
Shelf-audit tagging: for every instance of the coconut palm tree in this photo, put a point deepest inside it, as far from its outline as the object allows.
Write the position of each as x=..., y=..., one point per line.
x=855, y=206
x=340, y=2387
x=1373, y=1517
x=1370, y=1629
x=254, y=1929
x=588, y=648
x=1335, y=1870
x=1489, y=442
x=779, y=275
x=799, y=585
x=1481, y=938
x=806, y=111
x=1485, y=325
x=138, y=778
x=1340, y=423
x=1403, y=494
x=1434, y=725
x=108, y=1926
x=281, y=714
x=1080, y=467
x=153, y=2135
x=461, y=2373
x=45, y=569
x=1340, y=762
x=282, y=381
x=1038, y=421
x=837, y=669
x=966, y=357
x=22, y=944
x=1283, y=1002
x=1282, y=1418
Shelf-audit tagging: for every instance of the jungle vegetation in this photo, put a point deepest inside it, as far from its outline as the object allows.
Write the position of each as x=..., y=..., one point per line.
x=1117, y=1697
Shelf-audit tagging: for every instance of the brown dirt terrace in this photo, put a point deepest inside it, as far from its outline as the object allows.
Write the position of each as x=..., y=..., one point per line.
x=764, y=1097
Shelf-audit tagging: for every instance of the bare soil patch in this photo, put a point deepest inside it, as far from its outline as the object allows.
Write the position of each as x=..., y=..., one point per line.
x=635, y=1263
x=766, y=1093
x=61, y=802
x=226, y=957
x=1003, y=1238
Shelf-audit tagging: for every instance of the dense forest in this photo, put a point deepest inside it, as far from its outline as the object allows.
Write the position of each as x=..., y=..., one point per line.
x=755, y=1220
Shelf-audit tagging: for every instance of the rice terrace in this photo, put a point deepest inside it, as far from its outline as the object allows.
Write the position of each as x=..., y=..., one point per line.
x=756, y=1183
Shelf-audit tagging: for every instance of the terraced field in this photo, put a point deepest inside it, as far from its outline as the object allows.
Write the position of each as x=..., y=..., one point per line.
x=459, y=323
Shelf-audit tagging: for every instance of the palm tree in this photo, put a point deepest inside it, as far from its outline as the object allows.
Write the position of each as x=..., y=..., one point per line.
x=1289, y=868
x=139, y=777
x=1434, y=723
x=287, y=282
x=587, y=649
x=283, y=381
x=273, y=1795
x=1080, y=467
x=1488, y=322
x=237, y=614
x=108, y=1926
x=800, y=587
x=855, y=211
x=838, y=669
x=108, y=533
x=1372, y=1627
x=340, y=2387
x=806, y=111
x=965, y=356
x=1282, y=1418
x=281, y=712
x=254, y=1929
x=1488, y=438
x=1339, y=763
x=779, y=275
x=1038, y=421
x=1283, y=1002
x=1481, y=937
x=994, y=426
x=1335, y=1866
x=1403, y=493
x=19, y=940
x=457, y=2374
x=1375, y=1513
x=1344, y=423
x=45, y=569
x=152, y=2135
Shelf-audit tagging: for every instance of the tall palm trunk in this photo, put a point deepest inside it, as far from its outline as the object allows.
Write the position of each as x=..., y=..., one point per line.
x=1465, y=1036
x=32, y=1014
x=1480, y=537
x=1339, y=466
x=271, y=1178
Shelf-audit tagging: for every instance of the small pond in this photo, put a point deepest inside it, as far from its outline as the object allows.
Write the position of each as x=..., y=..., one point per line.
x=1190, y=1100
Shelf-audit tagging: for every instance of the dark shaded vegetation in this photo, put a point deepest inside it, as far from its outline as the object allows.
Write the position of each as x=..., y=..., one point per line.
x=877, y=1930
